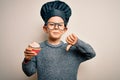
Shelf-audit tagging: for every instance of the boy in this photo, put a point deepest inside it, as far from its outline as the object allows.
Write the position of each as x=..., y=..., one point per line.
x=57, y=60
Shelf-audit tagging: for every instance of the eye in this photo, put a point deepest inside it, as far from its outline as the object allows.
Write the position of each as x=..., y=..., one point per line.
x=51, y=24
x=59, y=25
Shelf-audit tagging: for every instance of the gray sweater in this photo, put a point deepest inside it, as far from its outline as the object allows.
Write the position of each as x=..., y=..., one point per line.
x=55, y=63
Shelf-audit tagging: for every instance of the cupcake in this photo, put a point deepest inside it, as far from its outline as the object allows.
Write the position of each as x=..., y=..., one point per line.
x=35, y=47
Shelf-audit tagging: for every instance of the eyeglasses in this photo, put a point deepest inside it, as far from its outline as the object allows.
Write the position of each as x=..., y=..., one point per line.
x=53, y=25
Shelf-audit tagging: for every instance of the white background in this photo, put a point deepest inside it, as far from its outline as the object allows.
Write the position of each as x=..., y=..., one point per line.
x=96, y=22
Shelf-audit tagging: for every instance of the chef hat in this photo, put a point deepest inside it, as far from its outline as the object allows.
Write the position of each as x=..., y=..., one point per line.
x=55, y=8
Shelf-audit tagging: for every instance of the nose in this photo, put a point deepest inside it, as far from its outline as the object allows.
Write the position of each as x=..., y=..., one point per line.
x=56, y=26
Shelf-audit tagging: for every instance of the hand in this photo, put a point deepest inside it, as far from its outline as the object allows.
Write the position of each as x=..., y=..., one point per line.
x=29, y=53
x=71, y=40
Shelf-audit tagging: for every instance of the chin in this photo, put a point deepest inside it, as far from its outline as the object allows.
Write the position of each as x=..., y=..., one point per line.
x=55, y=37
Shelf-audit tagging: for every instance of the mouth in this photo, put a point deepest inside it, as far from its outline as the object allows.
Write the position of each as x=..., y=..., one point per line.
x=56, y=32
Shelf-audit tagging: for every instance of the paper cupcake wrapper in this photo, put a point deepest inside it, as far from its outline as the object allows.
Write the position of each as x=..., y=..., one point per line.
x=36, y=50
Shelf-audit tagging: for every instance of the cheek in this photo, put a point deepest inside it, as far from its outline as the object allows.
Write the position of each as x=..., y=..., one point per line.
x=62, y=32
x=48, y=31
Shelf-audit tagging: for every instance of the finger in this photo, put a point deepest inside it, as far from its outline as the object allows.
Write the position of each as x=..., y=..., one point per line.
x=69, y=39
x=68, y=47
x=69, y=42
x=28, y=49
x=75, y=38
x=72, y=37
x=30, y=54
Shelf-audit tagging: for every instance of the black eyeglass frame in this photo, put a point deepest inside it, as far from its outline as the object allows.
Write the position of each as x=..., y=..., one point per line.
x=52, y=25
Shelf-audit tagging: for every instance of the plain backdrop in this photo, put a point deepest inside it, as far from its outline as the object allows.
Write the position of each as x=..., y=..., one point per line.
x=96, y=22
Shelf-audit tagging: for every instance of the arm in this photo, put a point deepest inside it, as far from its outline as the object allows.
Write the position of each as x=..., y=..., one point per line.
x=85, y=50
x=29, y=67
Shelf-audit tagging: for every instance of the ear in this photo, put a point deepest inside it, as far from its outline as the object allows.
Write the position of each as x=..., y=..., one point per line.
x=45, y=29
x=65, y=29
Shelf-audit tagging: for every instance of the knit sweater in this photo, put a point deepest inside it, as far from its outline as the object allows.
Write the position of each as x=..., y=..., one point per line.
x=55, y=63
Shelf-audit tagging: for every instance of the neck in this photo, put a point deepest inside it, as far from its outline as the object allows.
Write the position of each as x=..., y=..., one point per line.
x=54, y=42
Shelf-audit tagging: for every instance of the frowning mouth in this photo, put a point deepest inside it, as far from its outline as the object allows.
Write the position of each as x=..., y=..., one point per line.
x=55, y=32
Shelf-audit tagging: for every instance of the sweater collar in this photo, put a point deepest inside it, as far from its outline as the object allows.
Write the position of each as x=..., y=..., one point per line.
x=59, y=45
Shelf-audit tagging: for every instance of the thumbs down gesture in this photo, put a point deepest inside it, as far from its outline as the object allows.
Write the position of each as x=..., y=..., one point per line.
x=71, y=40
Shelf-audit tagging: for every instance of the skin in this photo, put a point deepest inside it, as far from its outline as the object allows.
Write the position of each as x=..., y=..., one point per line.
x=54, y=37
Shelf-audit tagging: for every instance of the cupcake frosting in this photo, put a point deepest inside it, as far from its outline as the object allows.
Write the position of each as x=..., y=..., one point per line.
x=34, y=44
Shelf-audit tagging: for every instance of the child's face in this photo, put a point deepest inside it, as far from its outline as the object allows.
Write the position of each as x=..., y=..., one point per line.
x=55, y=28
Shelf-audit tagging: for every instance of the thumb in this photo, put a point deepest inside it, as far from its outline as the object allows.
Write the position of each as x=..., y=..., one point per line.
x=68, y=47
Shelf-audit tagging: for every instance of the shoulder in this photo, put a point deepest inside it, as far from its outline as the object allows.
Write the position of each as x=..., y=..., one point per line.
x=42, y=44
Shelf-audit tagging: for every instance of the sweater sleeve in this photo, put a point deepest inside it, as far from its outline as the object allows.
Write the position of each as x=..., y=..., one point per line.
x=85, y=50
x=29, y=68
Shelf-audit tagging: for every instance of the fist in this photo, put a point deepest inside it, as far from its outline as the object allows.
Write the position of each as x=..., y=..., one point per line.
x=71, y=40
x=29, y=53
